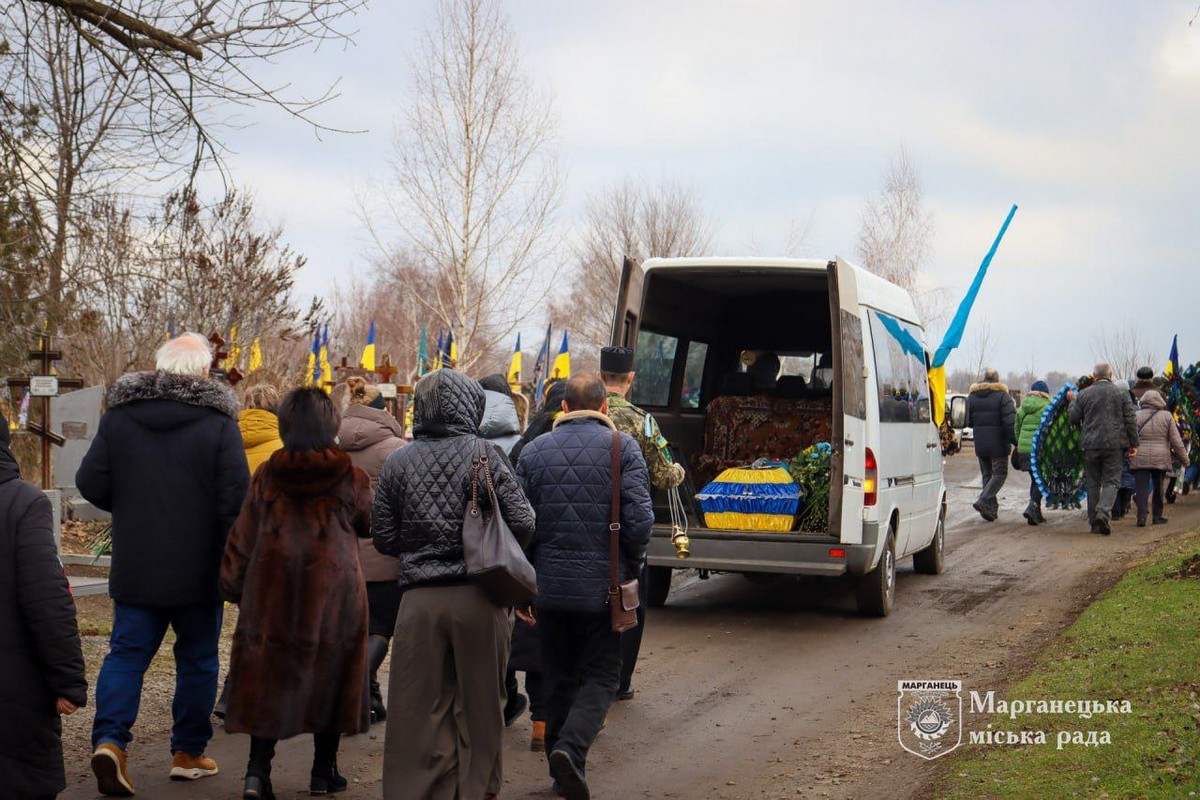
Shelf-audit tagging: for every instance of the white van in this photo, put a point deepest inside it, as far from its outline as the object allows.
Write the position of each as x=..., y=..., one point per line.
x=852, y=373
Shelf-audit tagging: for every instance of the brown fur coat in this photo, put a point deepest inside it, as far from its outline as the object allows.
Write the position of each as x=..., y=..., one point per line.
x=299, y=661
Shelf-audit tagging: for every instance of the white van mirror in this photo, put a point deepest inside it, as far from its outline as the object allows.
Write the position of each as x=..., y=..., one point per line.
x=958, y=412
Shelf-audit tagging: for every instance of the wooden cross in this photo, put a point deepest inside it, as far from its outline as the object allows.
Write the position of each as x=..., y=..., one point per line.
x=45, y=355
x=233, y=375
x=385, y=369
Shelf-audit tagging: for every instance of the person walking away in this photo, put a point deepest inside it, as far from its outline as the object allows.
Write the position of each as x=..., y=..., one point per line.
x=40, y=655
x=1159, y=441
x=992, y=415
x=568, y=476
x=451, y=646
x=167, y=463
x=616, y=370
x=260, y=438
x=1144, y=383
x=299, y=661
x=501, y=426
x=1105, y=413
x=1029, y=419
x=369, y=434
x=1125, y=489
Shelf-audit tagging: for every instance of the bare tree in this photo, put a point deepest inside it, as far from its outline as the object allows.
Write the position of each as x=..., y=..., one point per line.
x=1121, y=348
x=474, y=183
x=979, y=355
x=627, y=219
x=894, y=242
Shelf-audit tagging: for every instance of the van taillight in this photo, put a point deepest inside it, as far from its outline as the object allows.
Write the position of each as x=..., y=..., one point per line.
x=871, y=480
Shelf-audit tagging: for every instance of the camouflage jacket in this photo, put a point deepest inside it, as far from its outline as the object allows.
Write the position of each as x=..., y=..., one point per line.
x=664, y=474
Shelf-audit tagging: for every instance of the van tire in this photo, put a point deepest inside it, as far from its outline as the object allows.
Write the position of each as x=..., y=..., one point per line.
x=931, y=560
x=659, y=579
x=876, y=591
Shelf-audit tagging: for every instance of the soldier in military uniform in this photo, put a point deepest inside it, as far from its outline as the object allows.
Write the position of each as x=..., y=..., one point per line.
x=616, y=369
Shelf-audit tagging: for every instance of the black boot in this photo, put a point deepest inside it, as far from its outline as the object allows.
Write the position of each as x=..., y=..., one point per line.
x=257, y=788
x=258, y=770
x=1030, y=513
x=326, y=779
x=377, y=649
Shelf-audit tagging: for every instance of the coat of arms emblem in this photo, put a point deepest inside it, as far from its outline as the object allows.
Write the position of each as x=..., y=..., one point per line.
x=929, y=717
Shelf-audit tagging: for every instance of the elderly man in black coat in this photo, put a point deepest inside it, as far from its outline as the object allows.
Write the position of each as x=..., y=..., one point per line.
x=168, y=463
x=567, y=475
x=992, y=414
x=40, y=658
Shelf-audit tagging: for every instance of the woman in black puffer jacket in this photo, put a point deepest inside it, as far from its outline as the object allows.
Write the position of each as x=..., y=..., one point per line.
x=447, y=626
x=40, y=657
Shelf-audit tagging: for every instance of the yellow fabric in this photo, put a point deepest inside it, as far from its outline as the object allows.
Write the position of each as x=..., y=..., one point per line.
x=562, y=366
x=312, y=367
x=235, y=352
x=514, y=368
x=735, y=521
x=256, y=359
x=260, y=435
x=368, y=357
x=937, y=394
x=735, y=475
x=326, y=371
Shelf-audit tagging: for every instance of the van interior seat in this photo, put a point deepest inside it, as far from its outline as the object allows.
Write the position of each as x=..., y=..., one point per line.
x=791, y=387
x=737, y=384
x=741, y=430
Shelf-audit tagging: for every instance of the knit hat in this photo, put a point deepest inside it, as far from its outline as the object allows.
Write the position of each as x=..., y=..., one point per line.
x=1145, y=373
x=1040, y=386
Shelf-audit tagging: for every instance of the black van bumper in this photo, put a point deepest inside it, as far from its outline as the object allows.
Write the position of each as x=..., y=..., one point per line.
x=778, y=553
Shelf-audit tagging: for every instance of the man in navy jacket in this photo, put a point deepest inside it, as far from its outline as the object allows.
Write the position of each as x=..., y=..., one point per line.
x=567, y=475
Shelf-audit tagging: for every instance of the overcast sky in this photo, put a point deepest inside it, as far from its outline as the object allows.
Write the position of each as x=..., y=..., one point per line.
x=775, y=113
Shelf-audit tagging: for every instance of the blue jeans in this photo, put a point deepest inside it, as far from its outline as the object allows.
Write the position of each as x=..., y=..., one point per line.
x=136, y=635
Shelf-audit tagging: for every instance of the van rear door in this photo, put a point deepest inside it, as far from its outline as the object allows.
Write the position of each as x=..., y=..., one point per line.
x=628, y=317
x=849, y=406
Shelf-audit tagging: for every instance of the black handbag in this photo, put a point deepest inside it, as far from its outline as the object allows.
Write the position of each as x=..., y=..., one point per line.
x=495, y=562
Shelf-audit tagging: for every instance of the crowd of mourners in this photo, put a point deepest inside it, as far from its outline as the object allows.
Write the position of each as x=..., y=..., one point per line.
x=337, y=538
x=1134, y=454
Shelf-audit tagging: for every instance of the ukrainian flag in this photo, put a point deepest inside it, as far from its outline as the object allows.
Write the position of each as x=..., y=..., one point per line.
x=368, y=356
x=562, y=362
x=1172, y=367
x=313, y=375
x=326, y=370
x=451, y=351
x=514, y=367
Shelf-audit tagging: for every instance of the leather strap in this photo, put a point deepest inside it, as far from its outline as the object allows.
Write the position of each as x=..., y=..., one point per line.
x=614, y=574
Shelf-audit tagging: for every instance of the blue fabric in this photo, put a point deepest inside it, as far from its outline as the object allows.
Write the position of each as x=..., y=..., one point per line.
x=567, y=477
x=908, y=342
x=750, y=498
x=136, y=635
x=954, y=333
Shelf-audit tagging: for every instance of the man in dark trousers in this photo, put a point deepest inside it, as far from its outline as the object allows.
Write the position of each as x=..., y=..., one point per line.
x=1109, y=422
x=567, y=475
x=168, y=463
x=992, y=415
x=616, y=370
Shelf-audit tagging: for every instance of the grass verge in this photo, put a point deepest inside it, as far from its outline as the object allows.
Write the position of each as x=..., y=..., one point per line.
x=1140, y=642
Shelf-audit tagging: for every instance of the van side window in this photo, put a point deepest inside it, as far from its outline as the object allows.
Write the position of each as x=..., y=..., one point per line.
x=854, y=398
x=900, y=370
x=693, y=374
x=655, y=363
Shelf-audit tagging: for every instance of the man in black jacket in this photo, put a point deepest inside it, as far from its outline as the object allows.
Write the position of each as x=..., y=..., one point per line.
x=168, y=463
x=40, y=657
x=992, y=415
x=567, y=475
x=1106, y=414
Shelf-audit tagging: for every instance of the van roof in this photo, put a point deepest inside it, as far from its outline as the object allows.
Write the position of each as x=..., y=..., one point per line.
x=873, y=290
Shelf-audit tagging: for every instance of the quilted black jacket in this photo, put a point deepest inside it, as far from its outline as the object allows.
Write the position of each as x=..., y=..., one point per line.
x=422, y=493
x=40, y=656
x=567, y=475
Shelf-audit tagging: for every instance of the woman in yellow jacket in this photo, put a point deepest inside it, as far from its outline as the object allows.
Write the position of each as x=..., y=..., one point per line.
x=259, y=425
x=260, y=438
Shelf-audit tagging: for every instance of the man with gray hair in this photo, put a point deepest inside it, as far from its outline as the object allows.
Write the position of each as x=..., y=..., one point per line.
x=167, y=462
x=992, y=415
x=1109, y=422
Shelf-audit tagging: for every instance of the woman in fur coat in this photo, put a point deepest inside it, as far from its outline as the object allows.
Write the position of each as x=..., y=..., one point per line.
x=299, y=662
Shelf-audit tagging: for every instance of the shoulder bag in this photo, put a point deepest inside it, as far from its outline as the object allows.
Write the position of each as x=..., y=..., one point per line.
x=495, y=562
x=622, y=597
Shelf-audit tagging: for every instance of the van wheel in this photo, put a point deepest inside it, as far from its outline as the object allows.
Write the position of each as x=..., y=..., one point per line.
x=660, y=586
x=877, y=589
x=930, y=561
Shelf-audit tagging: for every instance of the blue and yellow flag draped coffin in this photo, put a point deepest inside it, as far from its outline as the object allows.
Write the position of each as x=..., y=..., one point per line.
x=751, y=500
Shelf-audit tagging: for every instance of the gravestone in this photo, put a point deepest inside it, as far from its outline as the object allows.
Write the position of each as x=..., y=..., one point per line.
x=76, y=418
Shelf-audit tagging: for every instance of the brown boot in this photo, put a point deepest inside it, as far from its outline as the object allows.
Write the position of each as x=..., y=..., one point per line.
x=185, y=767
x=537, y=742
x=112, y=778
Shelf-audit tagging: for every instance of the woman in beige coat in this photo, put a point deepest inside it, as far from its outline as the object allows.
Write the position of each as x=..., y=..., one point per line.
x=1159, y=439
x=369, y=434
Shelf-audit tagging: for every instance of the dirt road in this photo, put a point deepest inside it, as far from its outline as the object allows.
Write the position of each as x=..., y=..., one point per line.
x=779, y=690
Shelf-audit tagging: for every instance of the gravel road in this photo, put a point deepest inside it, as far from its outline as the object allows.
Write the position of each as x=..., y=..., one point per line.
x=767, y=690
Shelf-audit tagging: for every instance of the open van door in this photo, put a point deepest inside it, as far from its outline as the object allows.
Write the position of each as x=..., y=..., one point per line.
x=849, y=406
x=628, y=316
